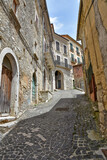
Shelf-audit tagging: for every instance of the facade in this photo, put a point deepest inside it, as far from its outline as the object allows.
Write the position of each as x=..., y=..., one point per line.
x=76, y=57
x=63, y=71
x=78, y=76
x=92, y=31
x=26, y=61
x=75, y=50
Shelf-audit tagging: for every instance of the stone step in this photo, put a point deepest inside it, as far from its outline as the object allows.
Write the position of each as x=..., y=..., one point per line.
x=6, y=119
x=4, y=114
x=4, y=127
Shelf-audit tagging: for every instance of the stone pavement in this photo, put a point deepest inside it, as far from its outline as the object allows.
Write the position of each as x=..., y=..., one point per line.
x=66, y=132
x=46, y=107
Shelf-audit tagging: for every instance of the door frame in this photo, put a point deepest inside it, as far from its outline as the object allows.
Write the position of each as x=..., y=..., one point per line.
x=62, y=80
x=36, y=87
x=14, y=103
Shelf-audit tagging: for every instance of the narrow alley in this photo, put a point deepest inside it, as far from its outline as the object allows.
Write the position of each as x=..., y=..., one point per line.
x=66, y=132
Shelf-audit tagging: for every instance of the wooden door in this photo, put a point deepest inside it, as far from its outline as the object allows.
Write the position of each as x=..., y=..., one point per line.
x=33, y=89
x=5, y=91
x=92, y=87
x=59, y=84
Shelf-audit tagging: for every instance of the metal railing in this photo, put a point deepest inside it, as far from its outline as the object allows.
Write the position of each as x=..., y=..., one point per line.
x=73, y=60
x=78, y=53
x=62, y=64
x=72, y=49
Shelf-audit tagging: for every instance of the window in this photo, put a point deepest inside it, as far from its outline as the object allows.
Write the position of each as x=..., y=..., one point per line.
x=78, y=60
x=71, y=47
x=15, y=5
x=65, y=49
x=77, y=49
x=72, y=58
x=58, y=59
x=57, y=46
x=66, y=62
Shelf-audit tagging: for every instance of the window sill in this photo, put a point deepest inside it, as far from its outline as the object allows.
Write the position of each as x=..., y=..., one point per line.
x=58, y=51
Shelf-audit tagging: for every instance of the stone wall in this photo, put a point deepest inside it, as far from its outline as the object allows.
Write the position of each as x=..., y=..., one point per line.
x=22, y=33
x=78, y=76
x=67, y=78
x=10, y=38
x=93, y=22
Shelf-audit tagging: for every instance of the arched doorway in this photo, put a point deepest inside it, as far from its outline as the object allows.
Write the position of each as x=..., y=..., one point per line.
x=9, y=82
x=59, y=80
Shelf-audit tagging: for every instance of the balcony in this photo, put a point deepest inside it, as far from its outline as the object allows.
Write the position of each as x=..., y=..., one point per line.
x=65, y=54
x=63, y=65
x=72, y=50
x=73, y=60
x=78, y=53
x=49, y=58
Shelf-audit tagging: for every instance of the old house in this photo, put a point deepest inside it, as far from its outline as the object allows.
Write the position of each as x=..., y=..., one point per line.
x=26, y=61
x=63, y=76
x=92, y=31
x=76, y=58
x=75, y=50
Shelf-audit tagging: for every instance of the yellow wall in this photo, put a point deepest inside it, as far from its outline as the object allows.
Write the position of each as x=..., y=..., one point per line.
x=89, y=24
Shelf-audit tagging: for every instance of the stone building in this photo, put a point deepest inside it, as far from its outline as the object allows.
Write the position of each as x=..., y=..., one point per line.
x=75, y=50
x=26, y=61
x=76, y=58
x=92, y=31
x=78, y=76
x=63, y=76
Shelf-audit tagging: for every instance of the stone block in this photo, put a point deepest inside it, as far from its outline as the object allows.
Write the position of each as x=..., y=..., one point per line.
x=45, y=96
x=100, y=95
x=101, y=117
x=100, y=107
x=106, y=106
x=105, y=133
x=105, y=98
x=102, y=128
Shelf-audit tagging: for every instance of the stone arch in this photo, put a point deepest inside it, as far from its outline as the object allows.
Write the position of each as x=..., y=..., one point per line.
x=59, y=80
x=14, y=101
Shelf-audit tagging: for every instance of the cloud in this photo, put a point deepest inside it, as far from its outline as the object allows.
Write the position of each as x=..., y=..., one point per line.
x=57, y=24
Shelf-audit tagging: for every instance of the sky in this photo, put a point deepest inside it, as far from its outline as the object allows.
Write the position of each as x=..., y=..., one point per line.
x=64, y=15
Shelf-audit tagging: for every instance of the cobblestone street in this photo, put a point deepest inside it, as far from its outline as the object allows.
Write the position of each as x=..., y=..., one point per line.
x=66, y=132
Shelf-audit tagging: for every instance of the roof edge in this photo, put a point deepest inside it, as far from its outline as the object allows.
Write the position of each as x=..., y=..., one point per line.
x=69, y=37
x=79, y=16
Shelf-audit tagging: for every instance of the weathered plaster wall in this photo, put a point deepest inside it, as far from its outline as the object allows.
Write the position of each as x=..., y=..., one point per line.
x=94, y=24
x=78, y=76
x=11, y=39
